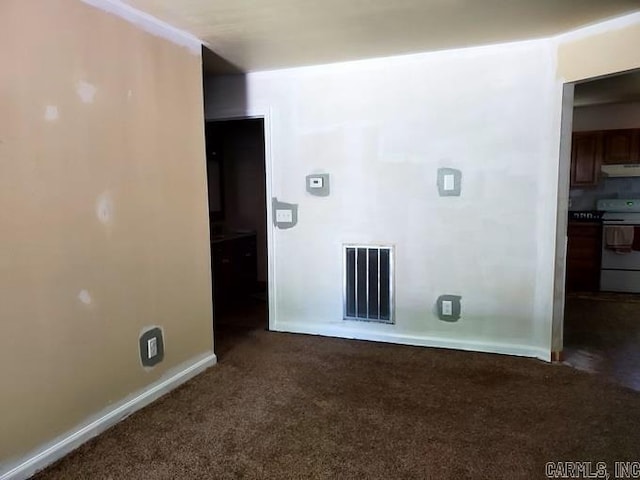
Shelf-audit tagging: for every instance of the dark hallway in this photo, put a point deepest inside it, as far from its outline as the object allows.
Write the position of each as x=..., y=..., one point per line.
x=237, y=209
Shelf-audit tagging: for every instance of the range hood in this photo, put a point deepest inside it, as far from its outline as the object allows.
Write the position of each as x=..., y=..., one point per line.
x=625, y=170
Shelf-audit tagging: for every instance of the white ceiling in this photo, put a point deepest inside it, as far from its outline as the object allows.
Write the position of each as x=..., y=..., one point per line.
x=268, y=34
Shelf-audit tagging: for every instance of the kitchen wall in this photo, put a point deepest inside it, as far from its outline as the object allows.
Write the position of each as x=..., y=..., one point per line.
x=605, y=117
x=104, y=218
x=381, y=128
x=583, y=199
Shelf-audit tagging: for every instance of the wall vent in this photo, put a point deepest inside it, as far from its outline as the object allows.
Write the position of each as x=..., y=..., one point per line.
x=368, y=283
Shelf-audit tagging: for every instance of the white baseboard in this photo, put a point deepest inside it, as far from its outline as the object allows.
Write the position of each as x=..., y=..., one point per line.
x=338, y=331
x=46, y=455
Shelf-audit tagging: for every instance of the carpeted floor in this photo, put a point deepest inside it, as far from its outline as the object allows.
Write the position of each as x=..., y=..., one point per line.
x=282, y=406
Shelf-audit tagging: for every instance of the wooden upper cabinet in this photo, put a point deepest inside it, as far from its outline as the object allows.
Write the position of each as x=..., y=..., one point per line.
x=586, y=157
x=621, y=146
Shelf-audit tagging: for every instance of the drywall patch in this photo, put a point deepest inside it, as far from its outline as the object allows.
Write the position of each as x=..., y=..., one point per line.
x=285, y=215
x=51, y=113
x=449, y=308
x=86, y=91
x=149, y=24
x=449, y=182
x=85, y=297
x=318, y=184
x=104, y=208
x=129, y=94
x=151, y=346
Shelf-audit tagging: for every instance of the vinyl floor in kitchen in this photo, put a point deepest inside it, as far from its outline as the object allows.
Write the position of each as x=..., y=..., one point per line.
x=602, y=335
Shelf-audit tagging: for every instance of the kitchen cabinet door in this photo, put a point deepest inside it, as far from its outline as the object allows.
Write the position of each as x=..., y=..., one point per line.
x=621, y=146
x=586, y=157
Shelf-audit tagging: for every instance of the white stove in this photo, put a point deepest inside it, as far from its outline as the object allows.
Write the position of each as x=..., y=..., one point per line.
x=621, y=218
x=620, y=265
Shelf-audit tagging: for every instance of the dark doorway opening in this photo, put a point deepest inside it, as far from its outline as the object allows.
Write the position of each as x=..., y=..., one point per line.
x=602, y=302
x=238, y=223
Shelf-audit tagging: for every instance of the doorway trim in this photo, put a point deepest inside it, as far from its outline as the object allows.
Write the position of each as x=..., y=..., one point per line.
x=265, y=115
x=564, y=175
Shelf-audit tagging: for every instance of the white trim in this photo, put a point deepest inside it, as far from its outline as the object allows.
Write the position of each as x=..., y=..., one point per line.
x=600, y=27
x=415, y=340
x=149, y=23
x=46, y=455
x=265, y=114
x=562, y=209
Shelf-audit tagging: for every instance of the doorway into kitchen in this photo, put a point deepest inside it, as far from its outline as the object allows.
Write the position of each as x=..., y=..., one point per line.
x=602, y=288
x=238, y=223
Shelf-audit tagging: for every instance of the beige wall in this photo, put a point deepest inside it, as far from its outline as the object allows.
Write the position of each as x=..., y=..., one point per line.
x=602, y=52
x=108, y=196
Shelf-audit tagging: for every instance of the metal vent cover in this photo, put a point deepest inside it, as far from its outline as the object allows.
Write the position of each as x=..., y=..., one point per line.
x=368, y=283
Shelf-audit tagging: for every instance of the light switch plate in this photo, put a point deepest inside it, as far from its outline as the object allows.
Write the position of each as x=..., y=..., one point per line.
x=315, y=182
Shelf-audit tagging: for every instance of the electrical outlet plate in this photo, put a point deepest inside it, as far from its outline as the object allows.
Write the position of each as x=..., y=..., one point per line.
x=449, y=182
x=151, y=346
x=449, y=307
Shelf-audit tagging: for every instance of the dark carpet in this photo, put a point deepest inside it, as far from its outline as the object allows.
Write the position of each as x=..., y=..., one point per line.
x=280, y=406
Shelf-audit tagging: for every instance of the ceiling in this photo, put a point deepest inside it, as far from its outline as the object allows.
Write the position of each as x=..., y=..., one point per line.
x=250, y=35
x=620, y=88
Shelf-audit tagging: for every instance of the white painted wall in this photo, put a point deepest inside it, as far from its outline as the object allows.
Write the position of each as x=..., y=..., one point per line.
x=606, y=117
x=382, y=128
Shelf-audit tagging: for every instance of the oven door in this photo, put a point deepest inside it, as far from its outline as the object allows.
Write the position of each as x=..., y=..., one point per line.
x=619, y=272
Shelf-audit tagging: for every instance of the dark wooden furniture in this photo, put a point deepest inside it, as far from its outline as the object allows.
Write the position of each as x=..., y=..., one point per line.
x=586, y=157
x=234, y=268
x=590, y=150
x=584, y=250
x=621, y=146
